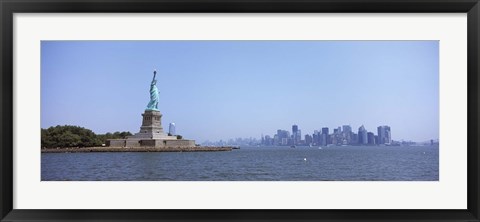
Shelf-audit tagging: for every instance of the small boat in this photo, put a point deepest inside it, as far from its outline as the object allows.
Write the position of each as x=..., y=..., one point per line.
x=292, y=146
x=319, y=147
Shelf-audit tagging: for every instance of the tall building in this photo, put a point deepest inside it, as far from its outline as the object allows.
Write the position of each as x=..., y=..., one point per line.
x=381, y=135
x=276, y=139
x=347, y=128
x=354, y=138
x=326, y=138
x=284, y=141
x=388, y=135
x=294, y=129
x=362, y=136
x=308, y=139
x=370, y=138
x=347, y=133
x=316, y=137
x=282, y=137
x=325, y=130
x=298, y=137
x=295, y=134
x=171, y=129
x=384, y=135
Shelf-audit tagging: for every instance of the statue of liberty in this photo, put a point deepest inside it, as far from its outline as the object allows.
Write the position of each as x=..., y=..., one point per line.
x=153, y=104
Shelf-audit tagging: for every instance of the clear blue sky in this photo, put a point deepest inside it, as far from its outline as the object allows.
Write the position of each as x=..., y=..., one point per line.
x=226, y=89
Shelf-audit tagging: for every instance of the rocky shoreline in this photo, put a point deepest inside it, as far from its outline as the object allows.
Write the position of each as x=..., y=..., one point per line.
x=137, y=149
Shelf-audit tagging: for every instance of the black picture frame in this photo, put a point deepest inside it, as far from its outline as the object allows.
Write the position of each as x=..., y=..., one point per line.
x=9, y=7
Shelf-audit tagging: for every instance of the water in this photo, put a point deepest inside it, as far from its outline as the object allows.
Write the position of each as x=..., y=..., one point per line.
x=348, y=163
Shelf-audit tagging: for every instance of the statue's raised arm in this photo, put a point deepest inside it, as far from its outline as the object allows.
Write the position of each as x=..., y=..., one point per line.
x=153, y=104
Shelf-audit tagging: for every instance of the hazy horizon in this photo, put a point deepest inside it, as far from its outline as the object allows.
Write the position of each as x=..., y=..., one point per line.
x=216, y=90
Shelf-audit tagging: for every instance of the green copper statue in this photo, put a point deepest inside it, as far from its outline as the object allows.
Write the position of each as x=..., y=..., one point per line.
x=153, y=104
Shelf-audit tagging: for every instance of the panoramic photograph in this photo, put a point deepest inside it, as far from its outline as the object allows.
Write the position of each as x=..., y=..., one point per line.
x=245, y=110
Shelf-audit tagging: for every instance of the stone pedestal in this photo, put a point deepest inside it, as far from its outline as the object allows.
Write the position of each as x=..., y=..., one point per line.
x=152, y=127
x=151, y=135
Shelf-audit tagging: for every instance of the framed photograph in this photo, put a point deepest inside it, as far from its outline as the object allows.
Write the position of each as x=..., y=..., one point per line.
x=236, y=110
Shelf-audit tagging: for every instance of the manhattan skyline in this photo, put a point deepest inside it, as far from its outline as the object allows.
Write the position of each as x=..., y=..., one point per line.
x=216, y=90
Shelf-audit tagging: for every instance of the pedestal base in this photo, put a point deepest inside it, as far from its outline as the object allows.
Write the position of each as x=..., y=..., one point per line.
x=157, y=143
x=151, y=135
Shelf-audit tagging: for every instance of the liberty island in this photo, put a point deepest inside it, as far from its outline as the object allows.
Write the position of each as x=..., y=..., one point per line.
x=150, y=138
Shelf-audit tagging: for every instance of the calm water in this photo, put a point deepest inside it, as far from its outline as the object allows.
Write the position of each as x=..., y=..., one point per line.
x=348, y=163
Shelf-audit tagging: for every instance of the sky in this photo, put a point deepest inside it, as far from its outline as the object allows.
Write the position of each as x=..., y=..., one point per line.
x=216, y=90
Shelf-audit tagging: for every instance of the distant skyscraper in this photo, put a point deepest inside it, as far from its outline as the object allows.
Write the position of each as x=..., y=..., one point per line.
x=171, y=129
x=371, y=138
x=384, y=135
x=308, y=139
x=282, y=137
x=317, y=137
x=284, y=141
x=325, y=130
x=276, y=139
x=388, y=135
x=362, y=135
x=347, y=128
x=347, y=133
x=296, y=135
x=381, y=135
x=354, y=138
x=325, y=138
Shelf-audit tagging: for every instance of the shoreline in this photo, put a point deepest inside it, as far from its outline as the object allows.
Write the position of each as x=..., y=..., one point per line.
x=137, y=149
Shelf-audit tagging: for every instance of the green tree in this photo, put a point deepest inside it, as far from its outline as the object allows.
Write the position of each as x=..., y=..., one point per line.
x=68, y=136
x=76, y=136
x=68, y=139
x=124, y=135
x=102, y=138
